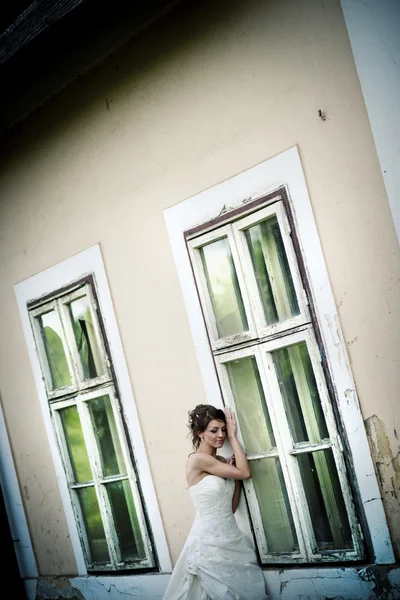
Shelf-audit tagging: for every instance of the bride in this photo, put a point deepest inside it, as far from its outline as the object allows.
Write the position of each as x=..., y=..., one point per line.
x=217, y=562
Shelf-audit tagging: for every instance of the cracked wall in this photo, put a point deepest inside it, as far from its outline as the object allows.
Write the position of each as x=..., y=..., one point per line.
x=139, y=587
x=325, y=583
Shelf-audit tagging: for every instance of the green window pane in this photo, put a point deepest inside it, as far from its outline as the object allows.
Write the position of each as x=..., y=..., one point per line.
x=126, y=520
x=223, y=288
x=50, y=328
x=94, y=525
x=85, y=337
x=271, y=268
x=274, y=505
x=76, y=444
x=325, y=500
x=106, y=435
x=252, y=411
x=300, y=393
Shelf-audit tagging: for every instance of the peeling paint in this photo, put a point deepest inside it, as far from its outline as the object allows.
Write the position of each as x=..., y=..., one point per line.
x=383, y=588
x=387, y=464
x=371, y=582
x=349, y=395
x=57, y=588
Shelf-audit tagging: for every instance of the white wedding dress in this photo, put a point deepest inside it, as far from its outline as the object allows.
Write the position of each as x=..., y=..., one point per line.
x=217, y=562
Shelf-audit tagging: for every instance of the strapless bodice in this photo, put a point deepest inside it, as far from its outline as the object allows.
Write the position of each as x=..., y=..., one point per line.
x=213, y=494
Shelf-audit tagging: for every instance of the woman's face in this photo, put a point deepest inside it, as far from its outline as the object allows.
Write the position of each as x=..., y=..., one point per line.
x=214, y=434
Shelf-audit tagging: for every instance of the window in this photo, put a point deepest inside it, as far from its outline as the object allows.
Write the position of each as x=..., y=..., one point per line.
x=263, y=339
x=83, y=399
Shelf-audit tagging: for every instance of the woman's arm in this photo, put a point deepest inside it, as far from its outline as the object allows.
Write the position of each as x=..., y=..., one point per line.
x=240, y=458
x=205, y=463
x=238, y=487
x=236, y=496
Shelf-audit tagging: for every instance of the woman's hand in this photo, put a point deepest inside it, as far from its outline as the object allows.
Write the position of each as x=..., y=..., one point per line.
x=230, y=423
x=231, y=460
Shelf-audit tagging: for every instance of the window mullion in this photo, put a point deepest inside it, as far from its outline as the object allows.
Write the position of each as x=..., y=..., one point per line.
x=249, y=277
x=305, y=447
x=35, y=314
x=64, y=302
x=271, y=259
x=302, y=391
x=61, y=439
x=248, y=485
x=131, y=475
x=70, y=340
x=270, y=454
x=242, y=284
x=102, y=497
x=70, y=476
x=98, y=334
x=292, y=259
x=81, y=486
x=204, y=293
x=336, y=443
x=205, y=300
x=290, y=469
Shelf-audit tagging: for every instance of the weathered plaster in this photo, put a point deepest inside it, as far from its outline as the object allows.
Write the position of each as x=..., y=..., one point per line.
x=369, y=583
x=336, y=584
x=387, y=465
x=143, y=587
x=59, y=587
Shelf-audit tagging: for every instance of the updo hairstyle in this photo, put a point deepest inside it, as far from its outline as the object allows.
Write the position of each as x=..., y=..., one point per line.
x=199, y=419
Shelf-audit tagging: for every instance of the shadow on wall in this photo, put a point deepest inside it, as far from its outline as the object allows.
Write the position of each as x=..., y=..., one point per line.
x=9, y=559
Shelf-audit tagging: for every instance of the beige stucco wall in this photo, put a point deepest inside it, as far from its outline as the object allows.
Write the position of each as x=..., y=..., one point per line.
x=204, y=94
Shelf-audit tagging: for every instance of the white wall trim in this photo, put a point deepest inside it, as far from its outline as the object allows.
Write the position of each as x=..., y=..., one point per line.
x=14, y=506
x=30, y=586
x=87, y=262
x=285, y=169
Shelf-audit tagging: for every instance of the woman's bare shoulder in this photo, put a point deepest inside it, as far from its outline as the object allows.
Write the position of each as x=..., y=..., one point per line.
x=199, y=460
x=194, y=460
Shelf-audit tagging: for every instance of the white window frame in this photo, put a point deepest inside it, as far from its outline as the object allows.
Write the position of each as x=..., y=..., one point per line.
x=233, y=232
x=85, y=390
x=63, y=303
x=80, y=401
x=44, y=284
x=287, y=448
x=216, y=341
x=34, y=314
x=265, y=342
x=285, y=170
x=238, y=227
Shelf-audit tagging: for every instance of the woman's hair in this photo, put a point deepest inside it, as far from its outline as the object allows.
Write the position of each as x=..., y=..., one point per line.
x=199, y=419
